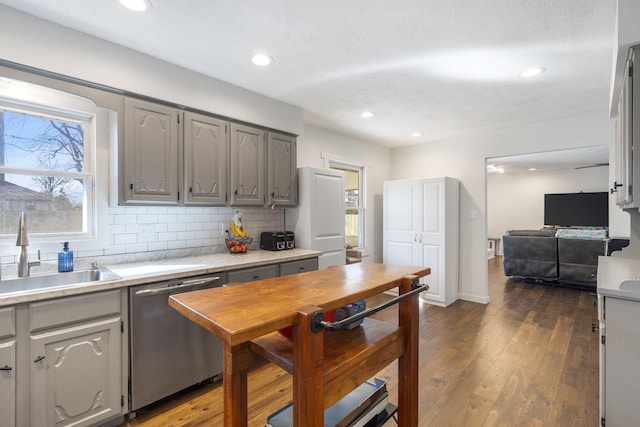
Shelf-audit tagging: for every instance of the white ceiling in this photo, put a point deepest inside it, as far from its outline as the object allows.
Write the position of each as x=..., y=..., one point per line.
x=579, y=158
x=446, y=68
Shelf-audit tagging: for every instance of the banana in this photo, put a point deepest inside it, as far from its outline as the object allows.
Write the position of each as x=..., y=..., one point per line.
x=238, y=231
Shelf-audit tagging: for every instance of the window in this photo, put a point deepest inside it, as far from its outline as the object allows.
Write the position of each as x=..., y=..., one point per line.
x=47, y=165
x=354, y=203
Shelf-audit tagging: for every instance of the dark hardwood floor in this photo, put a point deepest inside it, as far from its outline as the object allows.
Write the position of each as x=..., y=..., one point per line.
x=528, y=358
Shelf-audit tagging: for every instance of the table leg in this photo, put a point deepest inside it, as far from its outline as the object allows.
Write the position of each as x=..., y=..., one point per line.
x=308, y=378
x=237, y=361
x=408, y=362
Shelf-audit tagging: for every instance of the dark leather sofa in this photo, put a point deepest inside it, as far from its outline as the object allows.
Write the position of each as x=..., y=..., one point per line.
x=538, y=255
x=531, y=254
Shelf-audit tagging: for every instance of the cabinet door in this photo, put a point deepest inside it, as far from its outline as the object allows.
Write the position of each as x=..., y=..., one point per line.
x=247, y=166
x=431, y=235
x=281, y=170
x=294, y=267
x=151, y=153
x=76, y=374
x=402, y=206
x=623, y=147
x=250, y=274
x=8, y=384
x=622, y=351
x=205, y=149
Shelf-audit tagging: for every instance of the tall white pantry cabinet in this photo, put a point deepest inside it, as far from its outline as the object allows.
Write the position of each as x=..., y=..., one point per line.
x=420, y=227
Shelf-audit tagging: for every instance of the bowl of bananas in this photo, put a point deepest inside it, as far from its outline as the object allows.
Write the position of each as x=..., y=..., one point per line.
x=238, y=239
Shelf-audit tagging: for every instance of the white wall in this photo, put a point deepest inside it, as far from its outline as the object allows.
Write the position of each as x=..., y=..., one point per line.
x=465, y=159
x=317, y=143
x=516, y=201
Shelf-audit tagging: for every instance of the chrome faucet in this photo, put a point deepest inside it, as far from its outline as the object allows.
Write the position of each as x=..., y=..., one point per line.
x=24, y=266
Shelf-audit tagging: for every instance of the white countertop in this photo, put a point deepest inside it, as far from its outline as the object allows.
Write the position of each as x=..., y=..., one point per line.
x=159, y=270
x=619, y=277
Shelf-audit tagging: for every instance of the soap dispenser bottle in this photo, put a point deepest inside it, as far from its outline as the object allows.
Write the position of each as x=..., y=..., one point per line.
x=65, y=259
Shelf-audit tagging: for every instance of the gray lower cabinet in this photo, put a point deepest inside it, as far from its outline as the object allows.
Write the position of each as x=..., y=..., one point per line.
x=70, y=369
x=255, y=273
x=273, y=270
x=7, y=368
x=75, y=376
x=294, y=267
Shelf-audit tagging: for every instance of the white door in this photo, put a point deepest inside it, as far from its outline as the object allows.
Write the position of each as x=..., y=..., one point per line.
x=401, y=207
x=431, y=234
x=327, y=208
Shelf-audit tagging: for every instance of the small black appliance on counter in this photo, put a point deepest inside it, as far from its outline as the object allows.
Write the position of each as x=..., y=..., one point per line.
x=277, y=240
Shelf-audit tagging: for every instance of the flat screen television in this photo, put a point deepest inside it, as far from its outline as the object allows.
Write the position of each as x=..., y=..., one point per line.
x=577, y=209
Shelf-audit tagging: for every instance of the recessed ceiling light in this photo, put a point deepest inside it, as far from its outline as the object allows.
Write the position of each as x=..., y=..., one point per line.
x=532, y=169
x=136, y=5
x=367, y=114
x=261, y=59
x=532, y=72
x=416, y=134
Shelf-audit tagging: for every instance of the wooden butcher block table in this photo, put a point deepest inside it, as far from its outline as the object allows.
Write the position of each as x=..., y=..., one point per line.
x=246, y=317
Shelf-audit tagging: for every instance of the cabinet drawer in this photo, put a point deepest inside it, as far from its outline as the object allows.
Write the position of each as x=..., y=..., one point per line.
x=7, y=322
x=250, y=274
x=57, y=312
x=293, y=267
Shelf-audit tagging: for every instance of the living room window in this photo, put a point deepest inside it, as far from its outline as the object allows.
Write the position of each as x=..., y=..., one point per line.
x=47, y=167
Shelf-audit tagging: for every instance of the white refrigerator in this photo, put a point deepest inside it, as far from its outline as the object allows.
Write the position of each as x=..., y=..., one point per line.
x=319, y=220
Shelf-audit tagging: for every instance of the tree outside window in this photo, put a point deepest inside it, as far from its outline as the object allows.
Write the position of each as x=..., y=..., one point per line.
x=42, y=171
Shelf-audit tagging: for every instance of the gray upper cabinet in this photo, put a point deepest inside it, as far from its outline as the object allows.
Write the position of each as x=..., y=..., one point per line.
x=151, y=153
x=206, y=142
x=281, y=170
x=174, y=157
x=247, y=165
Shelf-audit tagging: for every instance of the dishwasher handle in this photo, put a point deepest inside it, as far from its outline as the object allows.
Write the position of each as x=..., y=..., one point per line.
x=184, y=285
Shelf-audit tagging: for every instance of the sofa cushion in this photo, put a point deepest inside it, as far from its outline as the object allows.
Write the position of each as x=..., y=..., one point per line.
x=574, y=233
x=531, y=233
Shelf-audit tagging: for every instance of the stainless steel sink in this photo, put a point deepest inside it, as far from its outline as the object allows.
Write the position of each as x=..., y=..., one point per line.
x=55, y=280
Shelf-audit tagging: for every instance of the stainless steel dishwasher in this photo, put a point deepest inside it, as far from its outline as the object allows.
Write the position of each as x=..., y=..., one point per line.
x=168, y=352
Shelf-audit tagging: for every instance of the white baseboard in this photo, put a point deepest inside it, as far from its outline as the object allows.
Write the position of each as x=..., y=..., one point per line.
x=474, y=298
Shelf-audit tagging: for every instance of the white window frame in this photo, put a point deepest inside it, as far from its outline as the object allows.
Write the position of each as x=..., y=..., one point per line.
x=32, y=99
x=339, y=161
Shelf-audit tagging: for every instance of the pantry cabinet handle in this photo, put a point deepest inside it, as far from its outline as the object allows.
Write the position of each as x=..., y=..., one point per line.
x=6, y=368
x=39, y=359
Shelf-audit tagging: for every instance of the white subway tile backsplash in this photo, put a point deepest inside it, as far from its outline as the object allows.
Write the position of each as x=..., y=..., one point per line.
x=172, y=226
x=176, y=244
x=137, y=247
x=126, y=219
x=194, y=226
x=147, y=219
x=156, y=232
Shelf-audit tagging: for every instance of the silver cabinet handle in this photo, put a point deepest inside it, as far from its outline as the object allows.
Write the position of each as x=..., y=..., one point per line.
x=185, y=285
